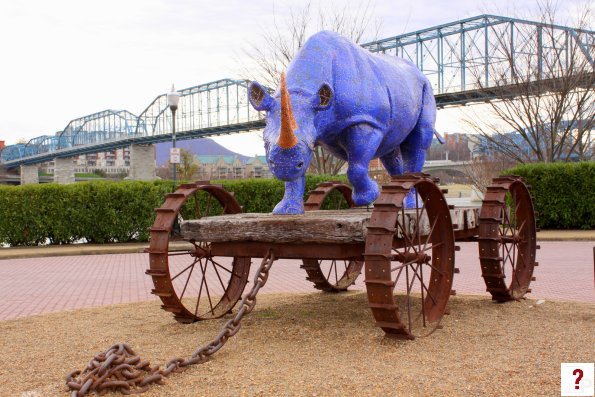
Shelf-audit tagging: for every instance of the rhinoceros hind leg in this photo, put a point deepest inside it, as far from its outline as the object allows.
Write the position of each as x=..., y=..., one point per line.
x=393, y=162
x=419, y=140
x=361, y=142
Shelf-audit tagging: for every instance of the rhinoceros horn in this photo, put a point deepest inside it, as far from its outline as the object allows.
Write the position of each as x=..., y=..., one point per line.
x=287, y=138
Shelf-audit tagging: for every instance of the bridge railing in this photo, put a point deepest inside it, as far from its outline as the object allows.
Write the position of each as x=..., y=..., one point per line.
x=488, y=50
x=223, y=103
x=216, y=104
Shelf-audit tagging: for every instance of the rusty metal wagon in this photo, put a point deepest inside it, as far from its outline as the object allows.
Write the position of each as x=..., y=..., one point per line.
x=408, y=254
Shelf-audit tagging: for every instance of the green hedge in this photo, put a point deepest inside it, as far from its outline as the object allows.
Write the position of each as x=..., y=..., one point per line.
x=564, y=193
x=106, y=211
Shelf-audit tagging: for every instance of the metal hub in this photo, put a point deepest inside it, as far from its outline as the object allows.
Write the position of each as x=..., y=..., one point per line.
x=412, y=257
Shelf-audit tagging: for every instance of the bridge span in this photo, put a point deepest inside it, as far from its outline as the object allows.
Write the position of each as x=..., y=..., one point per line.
x=466, y=61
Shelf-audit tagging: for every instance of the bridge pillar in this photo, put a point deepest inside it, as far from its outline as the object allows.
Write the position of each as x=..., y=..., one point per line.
x=64, y=170
x=142, y=162
x=29, y=174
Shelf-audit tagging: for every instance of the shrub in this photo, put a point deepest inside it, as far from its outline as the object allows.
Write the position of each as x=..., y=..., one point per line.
x=108, y=211
x=564, y=193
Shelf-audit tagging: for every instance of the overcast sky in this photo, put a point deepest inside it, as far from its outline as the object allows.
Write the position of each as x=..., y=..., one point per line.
x=63, y=59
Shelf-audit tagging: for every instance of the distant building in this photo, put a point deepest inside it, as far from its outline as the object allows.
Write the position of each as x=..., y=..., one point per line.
x=1, y=144
x=231, y=167
x=257, y=167
x=456, y=147
x=112, y=162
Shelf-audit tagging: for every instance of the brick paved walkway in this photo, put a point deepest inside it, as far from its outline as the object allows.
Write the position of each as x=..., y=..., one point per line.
x=43, y=285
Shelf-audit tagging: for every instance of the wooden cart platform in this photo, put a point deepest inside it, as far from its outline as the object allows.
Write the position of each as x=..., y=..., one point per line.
x=409, y=254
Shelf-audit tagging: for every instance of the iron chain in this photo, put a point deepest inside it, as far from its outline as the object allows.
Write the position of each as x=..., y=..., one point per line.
x=120, y=369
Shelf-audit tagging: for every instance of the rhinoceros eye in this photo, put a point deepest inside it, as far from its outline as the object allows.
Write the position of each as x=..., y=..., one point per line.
x=325, y=95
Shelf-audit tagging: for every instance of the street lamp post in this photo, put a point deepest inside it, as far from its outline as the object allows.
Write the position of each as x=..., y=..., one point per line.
x=173, y=98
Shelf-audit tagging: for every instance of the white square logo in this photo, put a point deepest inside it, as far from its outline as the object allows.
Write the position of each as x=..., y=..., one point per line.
x=577, y=379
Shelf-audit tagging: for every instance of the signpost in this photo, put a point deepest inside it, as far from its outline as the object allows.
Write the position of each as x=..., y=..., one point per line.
x=174, y=155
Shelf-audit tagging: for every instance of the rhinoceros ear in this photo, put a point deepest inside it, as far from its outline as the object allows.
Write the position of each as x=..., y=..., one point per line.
x=324, y=97
x=259, y=97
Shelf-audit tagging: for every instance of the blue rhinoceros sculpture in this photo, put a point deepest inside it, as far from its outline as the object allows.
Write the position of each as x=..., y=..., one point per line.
x=356, y=104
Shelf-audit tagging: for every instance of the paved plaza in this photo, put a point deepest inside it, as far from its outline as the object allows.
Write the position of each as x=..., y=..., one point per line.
x=42, y=285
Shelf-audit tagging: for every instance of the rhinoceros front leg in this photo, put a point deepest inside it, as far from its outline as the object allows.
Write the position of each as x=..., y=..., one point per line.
x=293, y=199
x=361, y=142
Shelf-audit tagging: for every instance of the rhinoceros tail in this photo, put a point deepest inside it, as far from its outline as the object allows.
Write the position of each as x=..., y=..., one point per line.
x=439, y=137
x=287, y=138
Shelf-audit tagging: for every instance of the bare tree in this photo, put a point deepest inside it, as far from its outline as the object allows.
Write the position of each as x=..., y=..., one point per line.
x=482, y=170
x=187, y=167
x=282, y=41
x=544, y=106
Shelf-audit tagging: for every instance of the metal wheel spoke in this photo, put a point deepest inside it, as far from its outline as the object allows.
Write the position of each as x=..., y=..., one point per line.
x=505, y=221
x=410, y=286
x=435, y=268
x=514, y=258
x=399, y=274
x=521, y=259
x=520, y=229
x=202, y=282
x=430, y=235
x=186, y=284
x=423, y=306
x=179, y=253
x=218, y=276
x=186, y=268
x=330, y=269
x=207, y=289
x=424, y=286
x=405, y=234
x=432, y=246
x=419, y=216
x=403, y=265
x=226, y=269
x=408, y=297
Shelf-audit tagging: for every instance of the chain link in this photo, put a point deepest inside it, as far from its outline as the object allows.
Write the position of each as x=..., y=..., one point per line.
x=120, y=369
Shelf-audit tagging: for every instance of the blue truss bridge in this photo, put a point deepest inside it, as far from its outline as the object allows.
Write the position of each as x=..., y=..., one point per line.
x=469, y=60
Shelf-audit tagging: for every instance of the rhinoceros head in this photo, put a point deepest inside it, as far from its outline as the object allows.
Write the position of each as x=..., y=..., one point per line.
x=288, y=143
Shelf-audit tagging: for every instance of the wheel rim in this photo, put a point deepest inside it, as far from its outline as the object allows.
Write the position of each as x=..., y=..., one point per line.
x=409, y=258
x=192, y=283
x=507, y=243
x=331, y=275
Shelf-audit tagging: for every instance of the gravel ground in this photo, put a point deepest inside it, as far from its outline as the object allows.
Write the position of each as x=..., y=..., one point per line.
x=313, y=345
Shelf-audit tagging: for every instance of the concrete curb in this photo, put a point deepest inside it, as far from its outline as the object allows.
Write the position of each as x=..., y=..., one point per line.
x=134, y=248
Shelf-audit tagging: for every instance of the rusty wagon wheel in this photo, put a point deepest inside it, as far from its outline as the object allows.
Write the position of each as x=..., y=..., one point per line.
x=331, y=275
x=409, y=258
x=507, y=239
x=193, y=284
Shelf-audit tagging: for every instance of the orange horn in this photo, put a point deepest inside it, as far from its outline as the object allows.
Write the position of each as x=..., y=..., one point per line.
x=287, y=138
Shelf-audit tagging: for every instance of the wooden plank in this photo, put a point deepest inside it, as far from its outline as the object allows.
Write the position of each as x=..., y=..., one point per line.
x=339, y=226
x=312, y=227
